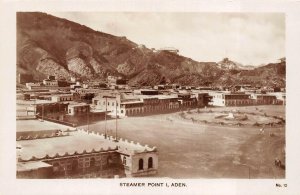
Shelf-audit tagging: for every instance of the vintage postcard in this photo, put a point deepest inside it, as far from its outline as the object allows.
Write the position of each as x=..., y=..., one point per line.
x=152, y=100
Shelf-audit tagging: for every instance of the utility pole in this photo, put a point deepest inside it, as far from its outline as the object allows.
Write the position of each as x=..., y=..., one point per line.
x=116, y=140
x=105, y=134
x=42, y=112
x=87, y=111
x=35, y=107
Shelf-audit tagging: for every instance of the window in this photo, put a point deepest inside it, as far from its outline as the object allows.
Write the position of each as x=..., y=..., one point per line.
x=124, y=160
x=109, y=160
x=122, y=111
x=74, y=165
x=56, y=166
x=92, y=162
x=108, y=103
x=150, y=163
x=113, y=104
x=141, y=164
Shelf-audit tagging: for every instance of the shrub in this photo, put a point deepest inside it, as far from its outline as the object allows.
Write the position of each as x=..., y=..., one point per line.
x=220, y=116
x=193, y=120
x=245, y=117
x=182, y=114
x=256, y=124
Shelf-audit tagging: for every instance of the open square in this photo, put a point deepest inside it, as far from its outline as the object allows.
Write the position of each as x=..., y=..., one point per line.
x=207, y=150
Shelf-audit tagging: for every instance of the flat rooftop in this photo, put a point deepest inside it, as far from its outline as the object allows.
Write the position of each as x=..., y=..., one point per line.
x=132, y=102
x=158, y=96
x=98, y=111
x=77, y=141
x=74, y=104
x=35, y=102
x=22, y=166
x=61, y=95
x=50, y=146
x=36, y=125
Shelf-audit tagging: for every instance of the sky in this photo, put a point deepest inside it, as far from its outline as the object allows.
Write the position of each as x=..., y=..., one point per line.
x=247, y=38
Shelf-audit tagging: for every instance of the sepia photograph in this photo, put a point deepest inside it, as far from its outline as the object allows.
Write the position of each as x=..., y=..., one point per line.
x=176, y=95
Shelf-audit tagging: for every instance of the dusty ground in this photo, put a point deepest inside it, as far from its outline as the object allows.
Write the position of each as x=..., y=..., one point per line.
x=191, y=150
x=36, y=125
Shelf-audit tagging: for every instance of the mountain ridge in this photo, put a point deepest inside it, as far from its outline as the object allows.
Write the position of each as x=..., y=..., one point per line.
x=48, y=45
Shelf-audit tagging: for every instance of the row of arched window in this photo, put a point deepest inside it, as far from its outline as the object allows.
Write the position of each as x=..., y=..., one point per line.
x=66, y=98
x=108, y=103
x=141, y=163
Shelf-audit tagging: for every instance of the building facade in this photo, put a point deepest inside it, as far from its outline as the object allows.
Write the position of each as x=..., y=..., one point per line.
x=73, y=160
x=103, y=164
x=78, y=109
x=139, y=104
x=244, y=99
x=50, y=83
x=230, y=99
x=47, y=109
x=264, y=99
x=62, y=97
x=110, y=103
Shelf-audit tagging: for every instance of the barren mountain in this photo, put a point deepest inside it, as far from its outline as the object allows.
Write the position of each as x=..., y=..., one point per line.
x=48, y=45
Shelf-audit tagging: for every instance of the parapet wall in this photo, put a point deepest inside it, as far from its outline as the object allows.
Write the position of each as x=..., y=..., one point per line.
x=122, y=144
x=66, y=154
x=41, y=136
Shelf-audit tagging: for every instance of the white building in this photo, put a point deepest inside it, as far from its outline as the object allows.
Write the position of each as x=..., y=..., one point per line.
x=62, y=97
x=78, y=108
x=32, y=85
x=169, y=49
x=109, y=102
x=217, y=98
x=76, y=85
x=230, y=99
x=279, y=96
x=50, y=83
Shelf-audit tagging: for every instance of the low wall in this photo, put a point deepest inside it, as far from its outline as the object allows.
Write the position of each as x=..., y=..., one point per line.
x=58, y=121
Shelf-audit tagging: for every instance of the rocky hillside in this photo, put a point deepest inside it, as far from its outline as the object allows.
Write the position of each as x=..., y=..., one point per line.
x=227, y=64
x=47, y=45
